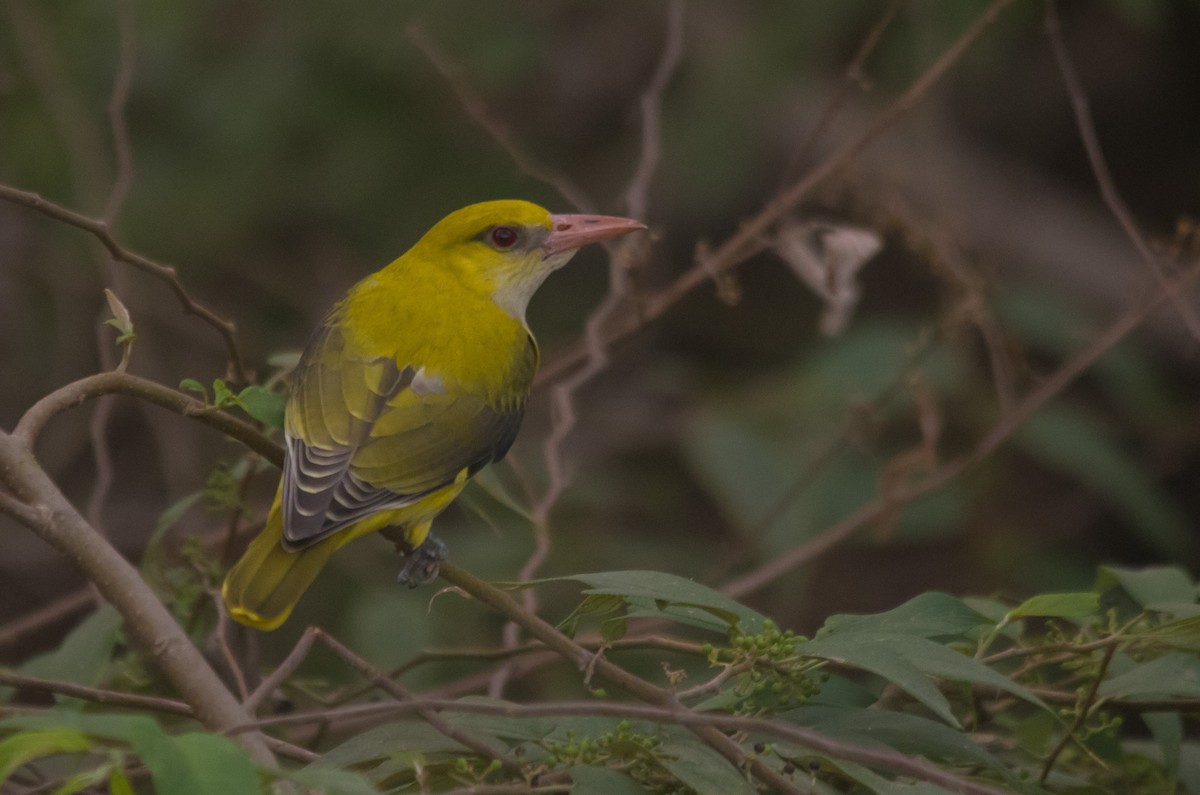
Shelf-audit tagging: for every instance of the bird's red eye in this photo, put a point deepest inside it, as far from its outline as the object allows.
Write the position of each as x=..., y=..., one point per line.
x=504, y=237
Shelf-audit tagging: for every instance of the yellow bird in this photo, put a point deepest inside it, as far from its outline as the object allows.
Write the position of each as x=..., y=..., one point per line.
x=416, y=379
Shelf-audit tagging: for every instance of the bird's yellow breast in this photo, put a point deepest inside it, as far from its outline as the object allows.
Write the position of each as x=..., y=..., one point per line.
x=429, y=319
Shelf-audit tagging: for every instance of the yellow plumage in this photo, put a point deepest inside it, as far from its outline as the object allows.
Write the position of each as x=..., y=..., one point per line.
x=415, y=380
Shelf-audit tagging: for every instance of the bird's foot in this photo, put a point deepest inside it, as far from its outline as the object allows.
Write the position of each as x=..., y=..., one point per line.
x=421, y=565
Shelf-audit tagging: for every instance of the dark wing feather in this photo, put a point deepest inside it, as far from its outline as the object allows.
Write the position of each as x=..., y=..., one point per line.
x=366, y=435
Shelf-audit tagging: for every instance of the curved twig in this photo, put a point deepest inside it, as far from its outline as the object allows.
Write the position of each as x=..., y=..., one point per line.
x=166, y=273
x=93, y=386
x=38, y=503
x=634, y=685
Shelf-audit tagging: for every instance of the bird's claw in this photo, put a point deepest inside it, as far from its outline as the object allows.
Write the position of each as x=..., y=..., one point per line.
x=421, y=565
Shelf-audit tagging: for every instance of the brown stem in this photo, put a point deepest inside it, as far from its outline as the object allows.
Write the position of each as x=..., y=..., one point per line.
x=636, y=686
x=39, y=504
x=94, y=386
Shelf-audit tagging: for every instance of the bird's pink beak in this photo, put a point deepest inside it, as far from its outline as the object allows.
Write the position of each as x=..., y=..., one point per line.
x=572, y=231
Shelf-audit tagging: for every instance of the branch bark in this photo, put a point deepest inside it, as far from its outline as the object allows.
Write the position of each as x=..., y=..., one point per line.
x=42, y=507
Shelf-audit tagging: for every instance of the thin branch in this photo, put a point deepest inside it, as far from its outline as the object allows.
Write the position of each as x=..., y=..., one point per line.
x=637, y=193
x=117, y=103
x=49, y=514
x=752, y=234
x=873, y=756
x=397, y=691
x=93, y=386
x=583, y=659
x=1104, y=180
x=98, y=437
x=621, y=261
x=1085, y=705
x=1004, y=428
x=282, y=672
x=479, y=112
x=96, y=695
x=853, y=77
x=35, y=620
x=165, y=273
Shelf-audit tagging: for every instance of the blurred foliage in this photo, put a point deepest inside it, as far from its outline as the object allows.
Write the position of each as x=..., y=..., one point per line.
x=279, y=154
x=976, y=686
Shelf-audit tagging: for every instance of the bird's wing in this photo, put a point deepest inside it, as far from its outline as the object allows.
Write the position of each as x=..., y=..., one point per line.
x=367, y=434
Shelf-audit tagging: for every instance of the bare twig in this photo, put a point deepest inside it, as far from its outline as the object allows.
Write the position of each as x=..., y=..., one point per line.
x=1084, y=705
x=874, y=756
x=35, y=620
x=221, y=636
x=379, y=680
x=97, y=437
x=853, y=77
x=479, y=112
x=1005, y=426
x=622, y=257
x=752, y=234
x=636, y=686
x=93, y=386
x=123, y=152
x=96, y=694
x=38, y=503
x=166, y=273
x=117, y=103
x=637, y=193
x=1104, y=180
x=397, y=691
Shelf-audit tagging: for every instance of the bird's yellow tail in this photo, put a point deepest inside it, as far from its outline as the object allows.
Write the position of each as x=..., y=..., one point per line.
x=261, y=590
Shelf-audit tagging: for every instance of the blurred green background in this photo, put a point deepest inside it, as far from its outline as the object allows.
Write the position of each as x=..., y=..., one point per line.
x=282, y=151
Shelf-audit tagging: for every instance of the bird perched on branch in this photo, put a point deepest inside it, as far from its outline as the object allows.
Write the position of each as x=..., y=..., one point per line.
x=416, y=379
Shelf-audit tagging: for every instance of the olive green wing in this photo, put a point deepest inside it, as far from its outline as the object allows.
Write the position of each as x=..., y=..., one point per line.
x=366, y=434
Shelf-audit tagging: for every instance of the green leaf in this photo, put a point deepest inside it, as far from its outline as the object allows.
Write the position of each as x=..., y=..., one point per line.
x=118, y=783
x=1175, y=674
x=879, y=785
x=878, y=656
x=120, y=319
x=701, y=768
x=1183, y=634
x=98, y=724
x=26, y=746
x=929, y=615
x=222, y=394
x=592, y=605
x=1189, y=768
x=1167, y=730
x=84, y=779
x=85, y=656
x=263, y=405
x=196, y=763
x=909, y=734
x=489, y=482
x=192, y=385
x=154, y=558
x=663, y=591
x=909, y=662
x=331, y=782
x=382, y=741
x=603, y=781
x=1058, y=605
x=1149, y=586
x=1077, y=445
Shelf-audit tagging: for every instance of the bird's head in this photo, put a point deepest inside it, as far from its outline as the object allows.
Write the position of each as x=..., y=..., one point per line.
x=508, y=248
